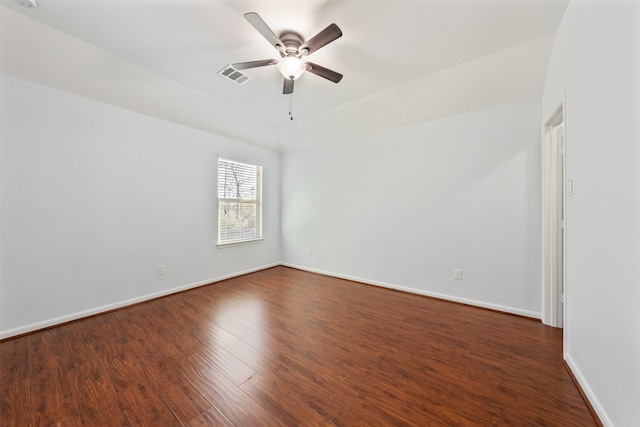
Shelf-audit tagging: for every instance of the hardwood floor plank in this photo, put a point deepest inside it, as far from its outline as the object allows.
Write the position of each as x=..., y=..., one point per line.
x=532, y=402
x=52, y=402
x=14, y=357
x=231, y=401
x=282, y=347
x=15, y=386
x=258, y=360
x=211, y=417
x=15, y=404
x=225, y=362
x=268, y=389
x=138, y=336
x=144, y=405
x=97, y=399
x=184, y=399
x=231, y=325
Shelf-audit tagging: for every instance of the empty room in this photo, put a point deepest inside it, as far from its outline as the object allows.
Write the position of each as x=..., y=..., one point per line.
x=314, y=213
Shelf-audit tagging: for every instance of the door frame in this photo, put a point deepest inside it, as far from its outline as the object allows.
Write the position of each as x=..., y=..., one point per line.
x=554, y=293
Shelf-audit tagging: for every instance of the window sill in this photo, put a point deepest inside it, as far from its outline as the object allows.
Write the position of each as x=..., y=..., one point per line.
x=239, y=243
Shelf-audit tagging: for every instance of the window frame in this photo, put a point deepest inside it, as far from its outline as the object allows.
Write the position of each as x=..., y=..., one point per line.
x=257, y=201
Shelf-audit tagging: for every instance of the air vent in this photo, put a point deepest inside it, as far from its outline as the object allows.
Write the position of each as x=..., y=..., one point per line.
x=29, y=4
x=234, y=75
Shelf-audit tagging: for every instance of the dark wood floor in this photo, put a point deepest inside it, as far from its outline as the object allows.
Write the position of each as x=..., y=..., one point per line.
x=286, y=347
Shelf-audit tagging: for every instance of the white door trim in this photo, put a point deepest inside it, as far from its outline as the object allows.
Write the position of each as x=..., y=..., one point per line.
x=554, y=218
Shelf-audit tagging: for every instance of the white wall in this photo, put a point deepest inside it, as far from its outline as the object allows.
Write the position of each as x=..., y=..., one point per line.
x=596, y=62
x=95, y=197
x=402, y=208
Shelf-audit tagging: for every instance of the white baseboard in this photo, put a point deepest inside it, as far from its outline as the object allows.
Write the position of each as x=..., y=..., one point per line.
x=593, y=400
x=121, y=304
x=476, y=303
x=98, y=310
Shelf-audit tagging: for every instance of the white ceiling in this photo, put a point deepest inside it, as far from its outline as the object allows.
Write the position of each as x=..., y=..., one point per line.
x=403, y=61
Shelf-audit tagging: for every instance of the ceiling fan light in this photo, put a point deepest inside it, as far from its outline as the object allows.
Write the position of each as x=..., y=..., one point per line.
x=291, y=67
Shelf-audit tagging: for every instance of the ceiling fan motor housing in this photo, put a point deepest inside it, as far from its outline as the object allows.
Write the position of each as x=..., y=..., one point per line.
x=292, y=42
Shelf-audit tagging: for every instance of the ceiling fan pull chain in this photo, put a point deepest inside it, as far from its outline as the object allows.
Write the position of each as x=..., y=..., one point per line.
x=291, y=106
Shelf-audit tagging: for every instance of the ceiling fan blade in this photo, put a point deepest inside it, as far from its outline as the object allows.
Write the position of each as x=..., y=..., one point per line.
x=288, y=86
x=323, y=38
x=254, y=64
x=262, y=27
x=323, y=72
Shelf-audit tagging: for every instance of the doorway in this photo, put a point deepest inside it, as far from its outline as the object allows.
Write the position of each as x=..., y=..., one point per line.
x=554, y=222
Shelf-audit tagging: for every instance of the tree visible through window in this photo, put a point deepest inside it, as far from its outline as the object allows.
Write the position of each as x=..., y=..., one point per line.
x=239, y=202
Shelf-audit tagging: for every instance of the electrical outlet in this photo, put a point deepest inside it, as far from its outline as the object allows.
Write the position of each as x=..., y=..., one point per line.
x=457, y=273
x=160, y=270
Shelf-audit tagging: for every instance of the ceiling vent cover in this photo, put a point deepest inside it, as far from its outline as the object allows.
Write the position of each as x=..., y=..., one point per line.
x=234, y=75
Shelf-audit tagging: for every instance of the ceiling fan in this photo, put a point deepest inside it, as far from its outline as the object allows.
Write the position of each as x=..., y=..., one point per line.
x=292, y=48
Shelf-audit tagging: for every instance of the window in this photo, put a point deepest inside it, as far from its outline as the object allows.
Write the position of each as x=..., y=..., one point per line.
x=239, y=202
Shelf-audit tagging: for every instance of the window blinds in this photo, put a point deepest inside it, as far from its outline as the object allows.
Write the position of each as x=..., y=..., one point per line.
x=239, y=202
